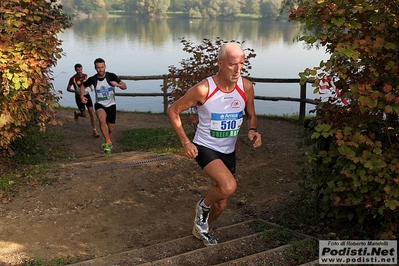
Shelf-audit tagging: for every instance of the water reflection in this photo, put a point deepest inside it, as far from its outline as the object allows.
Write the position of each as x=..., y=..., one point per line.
x=156, y=32
x=134, y=46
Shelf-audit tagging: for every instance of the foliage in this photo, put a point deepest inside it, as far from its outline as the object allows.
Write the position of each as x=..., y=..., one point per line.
x=277, y=236
x=146, y=8
x=259, y=225
x=21, y=175
x=300, y=252
x=271, y=9
x=226, y=9
x=88, y=6
x=29, y=164
x=252, y=7
x=54, y=262
x=29, y=48
x=353, y=166
x=152, y=8
x=33, y=148
x=212, y=8
x=201, y=64
x=178, y=6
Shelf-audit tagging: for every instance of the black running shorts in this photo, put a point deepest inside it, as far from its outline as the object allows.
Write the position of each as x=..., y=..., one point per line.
x=82, y=106
x=110, y=111
x=206, y=155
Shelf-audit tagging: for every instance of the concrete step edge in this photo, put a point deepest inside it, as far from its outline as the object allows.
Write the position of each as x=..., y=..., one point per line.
x=192, y=252
x=128, y=253
x=228, y=263
x=311, y=263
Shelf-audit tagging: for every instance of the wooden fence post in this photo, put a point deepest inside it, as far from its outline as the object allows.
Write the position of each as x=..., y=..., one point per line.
x=165, y=94
x=302, y=103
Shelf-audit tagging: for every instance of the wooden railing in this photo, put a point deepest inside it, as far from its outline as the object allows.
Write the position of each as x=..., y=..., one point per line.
x=302, y=95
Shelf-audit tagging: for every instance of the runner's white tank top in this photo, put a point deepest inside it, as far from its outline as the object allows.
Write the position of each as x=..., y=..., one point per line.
x=105, y=93
x=221, y=117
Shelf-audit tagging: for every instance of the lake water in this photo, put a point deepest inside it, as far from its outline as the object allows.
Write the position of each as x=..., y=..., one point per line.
x=135, y=47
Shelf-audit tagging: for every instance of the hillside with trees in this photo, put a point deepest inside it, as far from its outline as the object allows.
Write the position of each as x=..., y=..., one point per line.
x=227, y=9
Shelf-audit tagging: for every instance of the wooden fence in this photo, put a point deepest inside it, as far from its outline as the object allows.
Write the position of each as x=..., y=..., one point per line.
x=302, y=95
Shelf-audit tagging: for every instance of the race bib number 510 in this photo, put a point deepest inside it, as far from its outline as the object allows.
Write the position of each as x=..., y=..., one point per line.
x=225, y=125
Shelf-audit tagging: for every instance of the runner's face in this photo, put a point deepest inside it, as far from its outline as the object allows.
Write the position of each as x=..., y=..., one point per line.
x=100, y=68
x=232, y=65
x=79, y=71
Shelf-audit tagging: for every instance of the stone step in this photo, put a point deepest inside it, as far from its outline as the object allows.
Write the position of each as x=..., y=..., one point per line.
x=311, y=263
x=254, y=242
x=223, y=252
x=279, y=256
x=176, y=246
x=269, y=257
x=257, y=249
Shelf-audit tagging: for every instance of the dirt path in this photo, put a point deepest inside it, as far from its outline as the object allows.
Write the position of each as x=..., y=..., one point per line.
x=97, y=207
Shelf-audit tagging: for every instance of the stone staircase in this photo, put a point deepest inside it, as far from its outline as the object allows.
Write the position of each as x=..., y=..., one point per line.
x=254, y=242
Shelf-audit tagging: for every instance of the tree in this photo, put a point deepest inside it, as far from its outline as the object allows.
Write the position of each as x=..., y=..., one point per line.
x=68, y=5
x=271, y=9
x=194, y=13
x=211, y=9
x=88, y=6
x=353, y=164
x=229, y=8
x=99, y=4
x=179, y=6
x=84, y=6
x=114, y=5
x=152, y=8
x=214, y=8
x=29, y=47
x=252, y=7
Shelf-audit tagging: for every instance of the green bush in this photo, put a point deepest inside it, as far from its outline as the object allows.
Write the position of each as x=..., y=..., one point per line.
x=353, y=163
x=29, y=48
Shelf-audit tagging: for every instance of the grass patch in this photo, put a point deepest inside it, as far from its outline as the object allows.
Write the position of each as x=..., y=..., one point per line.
x=22, y=175
x=54, y=262
x=278, y=236
x=8, y=183
x=37, y=147
x=302, y=251
x=259, y=226
x=158, y=140
x=30, y=162
x=298, y=252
